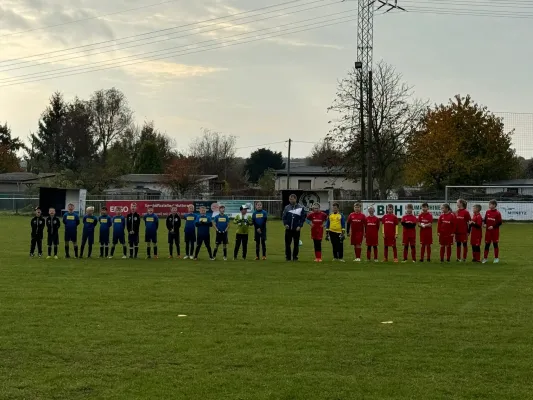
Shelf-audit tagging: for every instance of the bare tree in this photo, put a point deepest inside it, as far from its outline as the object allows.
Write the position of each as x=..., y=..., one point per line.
x=324, y=154
x=396, y=115
x=215, y=153
x=111, y=115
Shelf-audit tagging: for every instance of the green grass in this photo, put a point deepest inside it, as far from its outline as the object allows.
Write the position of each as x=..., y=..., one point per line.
x=109, y=329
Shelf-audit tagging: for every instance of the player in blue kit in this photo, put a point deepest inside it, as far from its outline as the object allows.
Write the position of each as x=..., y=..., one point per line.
x=119, y=225
x=89, y=224
x=71, y=222
x=190, y=232
x=221, y=225
x=105, y=225
x=259, y=220
x=203, y=224
x=151, y=224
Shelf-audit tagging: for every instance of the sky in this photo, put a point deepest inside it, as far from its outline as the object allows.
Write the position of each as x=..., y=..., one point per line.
x=268, y=90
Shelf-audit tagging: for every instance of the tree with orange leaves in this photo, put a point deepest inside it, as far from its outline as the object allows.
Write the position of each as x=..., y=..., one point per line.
x=181, y=176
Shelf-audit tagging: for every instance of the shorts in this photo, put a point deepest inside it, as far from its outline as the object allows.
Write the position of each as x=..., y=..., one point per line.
x=119, y=238
x=389, y=241
x=356, y=238
x=492, y=235
x=445, y=240
x=173, y=238
x=133, y=238
x=53, y=240
x=426, y=239
x=88, y=237
x=461, y=237
x=372, y=240
x=190, y=236
x=71, y=236
x=475, y=240
x=150, y=237
x=104, y=239
x=258, y=237
x=221, y=238
x=409, y=241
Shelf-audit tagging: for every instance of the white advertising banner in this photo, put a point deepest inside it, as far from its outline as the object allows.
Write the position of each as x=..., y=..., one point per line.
x=510, y=211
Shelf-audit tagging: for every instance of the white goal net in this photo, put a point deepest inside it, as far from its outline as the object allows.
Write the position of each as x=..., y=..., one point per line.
x=514, y=202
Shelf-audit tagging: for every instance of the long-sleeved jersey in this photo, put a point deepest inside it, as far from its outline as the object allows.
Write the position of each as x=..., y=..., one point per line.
x=317, y=220
x=151, y=222
x=53, y=225
x=133, y=222
x=221, y=222
x=105, y=224
x=389, y=223
x=356, y=222
x=89, y=223
x=71, y=221
x=335, y=223
x=446, y=224
x=203, y=223
x=173, y=223
x=243, y=223
x=190, y=222
x=409, y=222
x=119, y=224
x=259, y=220
x=462, y=218
x=493, y=218
x=37, y=227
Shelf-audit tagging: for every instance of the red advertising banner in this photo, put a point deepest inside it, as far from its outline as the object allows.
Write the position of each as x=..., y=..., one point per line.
x=161, y=207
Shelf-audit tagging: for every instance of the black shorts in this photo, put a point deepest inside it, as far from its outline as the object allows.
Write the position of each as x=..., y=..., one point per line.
x=190, y=236
x=133, y=238
x=119, y=239
x=53, y=240
x=150, y=237
x=221, y=238
x=88, y=237
x=71, y=236
x=260, y=236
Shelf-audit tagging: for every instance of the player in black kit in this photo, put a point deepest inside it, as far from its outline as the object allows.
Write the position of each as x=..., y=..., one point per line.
x=37, y=230
x=133, y=223
x=52, y=226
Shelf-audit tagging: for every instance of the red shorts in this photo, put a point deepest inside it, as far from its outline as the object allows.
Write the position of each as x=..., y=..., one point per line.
x=426, y=238
x=409, y=241
x=445, y=240
x=389, y=241
x=461, y=237
x=475, y=240
x=356, y=238
x=492, y=235
x=371, y=240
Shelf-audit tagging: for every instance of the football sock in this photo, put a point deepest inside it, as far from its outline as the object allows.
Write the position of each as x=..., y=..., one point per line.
x=458, y=250
x=55, y=251
x=225, y=250
x=148, y=251
x=442, y=253
x=171, y=249
x=496, y=250
x=49, y=251
x=413, y=253
x=386, y=253
x=375, y=252
x=486, y=252
x=136, y=251
x=101, y=251
x=215, y=251
x=422, y=251
x=76, y=250
x=106, y=248
x=429, y=251
x=465, y=251
x=395, y=252
x=112, y=251
x=124, y=250
x=155, y=250
x=405, y=251
x=368, y=252
x=448, y=252
x=90, y=252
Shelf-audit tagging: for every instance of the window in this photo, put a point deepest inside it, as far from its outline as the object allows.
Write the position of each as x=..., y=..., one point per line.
x=512, y=190
x=304, y=184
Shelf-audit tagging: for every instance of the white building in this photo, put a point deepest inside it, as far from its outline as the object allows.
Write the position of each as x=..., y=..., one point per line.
x=514, y=186
x=315, y=178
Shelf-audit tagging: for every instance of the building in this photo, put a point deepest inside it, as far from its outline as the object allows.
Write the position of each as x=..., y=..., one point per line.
x=152, y=185
x=511, y=186
x=17, y=182
x=315, y=178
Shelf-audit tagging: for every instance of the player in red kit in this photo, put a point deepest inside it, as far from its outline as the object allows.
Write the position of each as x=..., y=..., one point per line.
x=317, y=220
x=446, y=230
x=476, y=233
x=409, y=233
x=356, y=228
x=462, y=217
x=425, y=222
x=390, y=232
x=493, y=221
x=372, y=234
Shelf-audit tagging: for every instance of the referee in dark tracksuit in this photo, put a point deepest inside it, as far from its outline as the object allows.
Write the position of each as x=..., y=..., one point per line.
x=293, y=220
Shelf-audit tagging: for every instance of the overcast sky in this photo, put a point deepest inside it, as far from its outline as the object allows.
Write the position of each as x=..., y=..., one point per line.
x=269, y=90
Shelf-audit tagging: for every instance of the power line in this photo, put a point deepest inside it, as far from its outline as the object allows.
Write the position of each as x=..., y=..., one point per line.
x=67, y=57
x=155, y=31
x=470, y=13
x=114, y=64
x=87, y=19
x=260, y=145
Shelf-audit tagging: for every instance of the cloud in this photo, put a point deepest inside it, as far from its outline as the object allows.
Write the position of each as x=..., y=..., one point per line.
x=11, y=21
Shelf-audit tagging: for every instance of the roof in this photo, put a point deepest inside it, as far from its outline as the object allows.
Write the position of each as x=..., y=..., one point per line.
x=511, y=182
x=310, y=170
x=156, y=178
x=129, y=190
x=24, y=176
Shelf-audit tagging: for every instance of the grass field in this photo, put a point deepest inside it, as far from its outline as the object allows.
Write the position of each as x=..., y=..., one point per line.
x=109, y=329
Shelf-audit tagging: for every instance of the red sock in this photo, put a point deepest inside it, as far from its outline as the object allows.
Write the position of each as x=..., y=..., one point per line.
x=413, y=253
x=465, y=252
x=448, y=252
x=442, y=253
x=477, y=255
x=319, y=255
x=405, y=253
x=422, y=251
x=386, y=253
x=357, y=252
x=375, y=253
x=316, y=255
x=429, y=251
x=395, y=252
x=368, y=253
x=496, y=252
x=459, y=252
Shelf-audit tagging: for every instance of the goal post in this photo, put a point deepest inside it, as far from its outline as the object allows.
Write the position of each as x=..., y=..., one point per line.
x=515, y=202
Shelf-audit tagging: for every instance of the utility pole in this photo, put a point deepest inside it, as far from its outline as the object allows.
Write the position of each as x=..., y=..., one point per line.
x=363, y=139
x=370, y=164
x=289, y=166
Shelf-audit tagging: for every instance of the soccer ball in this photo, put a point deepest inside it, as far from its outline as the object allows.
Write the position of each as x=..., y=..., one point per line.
x=300, y=243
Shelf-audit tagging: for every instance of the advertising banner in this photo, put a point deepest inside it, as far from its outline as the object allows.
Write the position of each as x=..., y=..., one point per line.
x=233, y=207
x=161, y=208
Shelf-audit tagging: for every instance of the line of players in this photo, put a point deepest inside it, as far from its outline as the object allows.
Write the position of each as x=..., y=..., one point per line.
x=197, y=231
x=452, y=227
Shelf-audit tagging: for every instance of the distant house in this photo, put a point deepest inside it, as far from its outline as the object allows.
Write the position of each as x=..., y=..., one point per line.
x=512, y=186
x=16, y=182
x=315, y=178
x=151, y=185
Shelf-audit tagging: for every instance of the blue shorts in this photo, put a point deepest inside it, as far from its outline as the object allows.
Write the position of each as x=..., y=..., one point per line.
x=150, y=237
x=119, y=238
x=71, y=236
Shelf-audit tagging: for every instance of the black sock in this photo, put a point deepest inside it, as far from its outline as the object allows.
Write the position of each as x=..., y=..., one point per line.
x=178, y=252
x=148, y=251
x=257, y=249
x=131, y=251
x=113, y=251
x=106, y=251
x=171, y=249
x=67, y=251
x=82, y=250
x=124, y=250
x=76, y=250
x=101, y=251
x=155, y=250
x=197, y=251
x=225, y=252
x=136, y=251
x=49, y=251
x=55, y=251
x=215, y=251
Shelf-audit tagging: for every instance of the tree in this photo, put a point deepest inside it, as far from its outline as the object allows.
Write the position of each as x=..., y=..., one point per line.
x=13, y=144
x=214, y=153
x=79, y=136
x=8, y=160
x=267, y=182
x=149, y=161
x=460, y=143
x=161, y=141
x=528, y=170
x=111, y=117
x=181, y=176
x=260, y=161
x=395, y=114
x=324, y=154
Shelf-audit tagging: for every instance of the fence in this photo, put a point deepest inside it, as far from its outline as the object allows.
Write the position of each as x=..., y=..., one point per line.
x=18, y=204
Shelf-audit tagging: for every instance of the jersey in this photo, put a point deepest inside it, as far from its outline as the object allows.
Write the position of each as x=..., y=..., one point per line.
x=462, y=218
x=409, y=226
x=243, y=223
x=221, y=222
x=493, y=219
x=372, y=230
x=190, y=222
x=335, y=223
x=37, y=227
x=317, y=220
x=390, y=222
x=204, y=224
x=89, y=223
x=446, y=225
x=356, y=223
x=476, y=230
x=259, y=220
x=426, y=233
x=173, y=223
x=133, y=223
x=151, y=222
x=105, y=224
x=119, y=224
x=71, y=221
